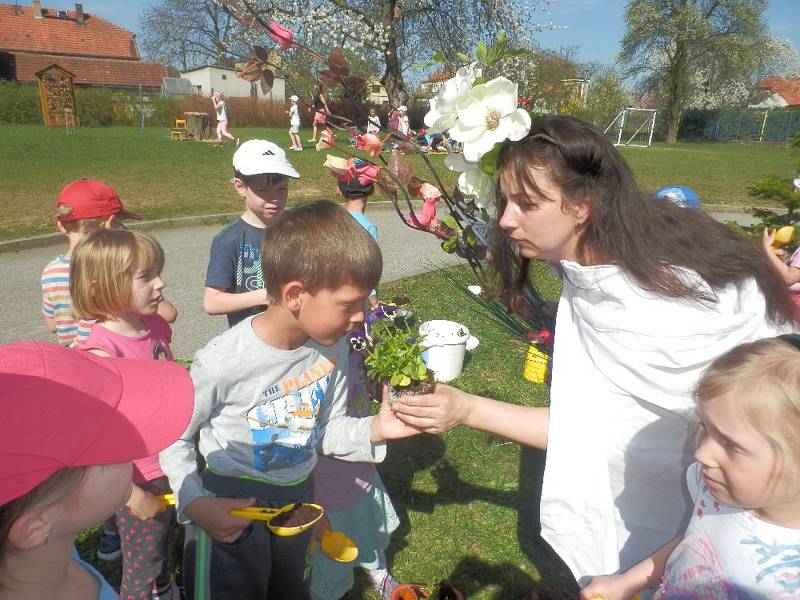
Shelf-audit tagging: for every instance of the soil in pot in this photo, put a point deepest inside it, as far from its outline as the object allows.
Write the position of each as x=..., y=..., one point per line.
x=420, y=388
x=300, y=515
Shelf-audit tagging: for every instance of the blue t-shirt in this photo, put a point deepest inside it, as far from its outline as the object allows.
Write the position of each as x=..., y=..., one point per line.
x=365, y=223
x=106, y=591
x=235, y=264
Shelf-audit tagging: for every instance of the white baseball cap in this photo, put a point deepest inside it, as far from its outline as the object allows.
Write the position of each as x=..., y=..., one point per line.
x=260, y=157
x=294, y=98
x=403, y=109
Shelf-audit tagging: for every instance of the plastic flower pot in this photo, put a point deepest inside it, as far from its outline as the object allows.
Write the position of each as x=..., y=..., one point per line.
x=446, y=343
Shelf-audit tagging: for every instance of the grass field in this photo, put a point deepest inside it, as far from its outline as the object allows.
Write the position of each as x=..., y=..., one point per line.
x=160, y=178
x=468, y=502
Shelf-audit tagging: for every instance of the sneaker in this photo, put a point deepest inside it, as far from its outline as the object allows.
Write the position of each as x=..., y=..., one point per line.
x=109, y=548
x=171, y=593
x=388, y=586
x=237, y=142
x=312, y=141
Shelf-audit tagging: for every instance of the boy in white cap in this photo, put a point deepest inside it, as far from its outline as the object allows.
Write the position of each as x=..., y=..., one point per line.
x=234, y=279
x=294, y=124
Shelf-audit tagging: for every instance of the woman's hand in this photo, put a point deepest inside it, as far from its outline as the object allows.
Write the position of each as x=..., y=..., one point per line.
x=608, y=587
x=767, y=239
x=386, y=425
x=438, y=412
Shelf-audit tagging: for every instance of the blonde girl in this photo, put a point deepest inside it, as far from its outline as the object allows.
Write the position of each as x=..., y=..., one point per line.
x=116, y=280
x=222, y=119
x=743, y=540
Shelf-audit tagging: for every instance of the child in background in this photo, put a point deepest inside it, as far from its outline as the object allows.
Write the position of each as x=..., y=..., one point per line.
x=83, y=206
x=787, y=266
x=373, y=121
x=294, y=124
x=234, y=280
x=116, y=280
x=71, y=424
x=222, y=119
x=744, y=536
x=269, y=393
x=403, y=124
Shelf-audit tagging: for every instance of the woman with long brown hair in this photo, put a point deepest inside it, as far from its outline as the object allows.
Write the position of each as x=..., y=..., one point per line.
x=652, y=293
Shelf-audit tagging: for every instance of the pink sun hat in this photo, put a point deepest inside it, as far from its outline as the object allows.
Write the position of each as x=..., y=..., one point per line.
x=63, y=408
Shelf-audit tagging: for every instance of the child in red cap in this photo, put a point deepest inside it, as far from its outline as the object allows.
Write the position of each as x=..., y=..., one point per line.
x=63, y=413
x=82, y=206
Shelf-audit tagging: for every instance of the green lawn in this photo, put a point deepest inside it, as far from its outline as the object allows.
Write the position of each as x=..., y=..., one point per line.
x=161, y=178
x=468, y=502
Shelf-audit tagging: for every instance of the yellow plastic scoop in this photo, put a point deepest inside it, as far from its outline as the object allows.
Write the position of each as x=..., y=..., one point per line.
x=268, y=514
x=167, y=499
x=337, y=546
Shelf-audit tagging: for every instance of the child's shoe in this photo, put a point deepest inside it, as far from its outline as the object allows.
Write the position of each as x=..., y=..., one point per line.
x=109, y=548
x=237, y=142
x=171, y=593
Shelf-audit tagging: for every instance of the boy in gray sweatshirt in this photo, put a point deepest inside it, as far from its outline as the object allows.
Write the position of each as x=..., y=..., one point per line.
x=269, y=393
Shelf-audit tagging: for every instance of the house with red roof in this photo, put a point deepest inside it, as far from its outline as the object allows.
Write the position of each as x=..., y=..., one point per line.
x=777, y=92
x=97, y=52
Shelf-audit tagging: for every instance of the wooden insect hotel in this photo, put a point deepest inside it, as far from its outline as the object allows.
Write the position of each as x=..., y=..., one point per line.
x=57, y=94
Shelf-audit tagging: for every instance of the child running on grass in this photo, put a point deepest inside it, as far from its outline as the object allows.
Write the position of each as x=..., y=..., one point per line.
x=116, y=280
x=294, y=124
x=71, y=423
x=222, y=119
x=744, y=536
x=234, y=279
x=270, y=393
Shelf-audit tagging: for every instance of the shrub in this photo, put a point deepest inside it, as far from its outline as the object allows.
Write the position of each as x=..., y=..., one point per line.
x=95, y=106
x=20, y=104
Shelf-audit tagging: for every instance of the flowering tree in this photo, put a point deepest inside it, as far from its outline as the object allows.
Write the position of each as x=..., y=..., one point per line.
x=398, y=32
x=668, y=42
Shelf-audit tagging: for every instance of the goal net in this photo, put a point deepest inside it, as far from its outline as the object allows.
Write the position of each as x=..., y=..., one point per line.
x=633, y=127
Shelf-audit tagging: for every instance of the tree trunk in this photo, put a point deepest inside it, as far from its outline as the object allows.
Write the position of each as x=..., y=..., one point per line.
x=392, y=78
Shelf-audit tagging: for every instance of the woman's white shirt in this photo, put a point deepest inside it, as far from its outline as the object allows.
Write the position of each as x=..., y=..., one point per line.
x=621, y=431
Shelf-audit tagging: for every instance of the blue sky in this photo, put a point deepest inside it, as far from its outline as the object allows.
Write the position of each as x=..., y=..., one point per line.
x=596, y=26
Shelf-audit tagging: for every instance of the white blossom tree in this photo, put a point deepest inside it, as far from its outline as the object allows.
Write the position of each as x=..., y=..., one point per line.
x=396, y=32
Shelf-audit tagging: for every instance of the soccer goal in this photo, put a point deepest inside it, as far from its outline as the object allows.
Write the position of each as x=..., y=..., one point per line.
x=633, y=127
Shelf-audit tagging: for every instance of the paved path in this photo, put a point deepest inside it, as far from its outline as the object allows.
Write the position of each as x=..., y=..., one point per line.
x=405, y=252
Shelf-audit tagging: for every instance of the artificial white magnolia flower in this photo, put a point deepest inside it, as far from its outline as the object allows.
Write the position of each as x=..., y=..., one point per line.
x=442, y=114
x=488, y=114
x=472, y=181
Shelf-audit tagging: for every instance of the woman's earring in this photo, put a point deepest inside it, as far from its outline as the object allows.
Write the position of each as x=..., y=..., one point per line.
x=46, y=539
x=578, y=225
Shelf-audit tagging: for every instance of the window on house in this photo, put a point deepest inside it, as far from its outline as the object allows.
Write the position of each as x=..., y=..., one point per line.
x=224, y=76
x=376, y=89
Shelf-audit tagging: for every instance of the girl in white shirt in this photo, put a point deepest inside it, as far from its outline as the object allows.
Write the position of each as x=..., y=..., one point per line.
x=744, y=537
x=652, y=293
x=222, y=119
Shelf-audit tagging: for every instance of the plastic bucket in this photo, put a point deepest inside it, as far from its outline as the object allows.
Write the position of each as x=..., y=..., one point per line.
x=535, y=369
x=446, y=343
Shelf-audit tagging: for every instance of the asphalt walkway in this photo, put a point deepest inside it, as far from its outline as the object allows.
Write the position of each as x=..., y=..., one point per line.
x=405, y=252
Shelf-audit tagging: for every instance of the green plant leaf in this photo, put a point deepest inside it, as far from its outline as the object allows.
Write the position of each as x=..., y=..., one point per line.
x=481, y=51
x=488, y=162
x=450, y=244
x=439, y=57
x=404, y=381
x=422, y=372
x=464, y=58
x=450, y=221
x=479, y=81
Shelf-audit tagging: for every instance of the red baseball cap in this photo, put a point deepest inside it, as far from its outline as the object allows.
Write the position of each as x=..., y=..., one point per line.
x=91, y=199
x=64, y=408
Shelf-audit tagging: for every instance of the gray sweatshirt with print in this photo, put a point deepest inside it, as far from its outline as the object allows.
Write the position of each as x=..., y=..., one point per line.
x=262, y=413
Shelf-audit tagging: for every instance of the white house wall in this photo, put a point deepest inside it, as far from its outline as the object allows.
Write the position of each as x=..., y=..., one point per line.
x=230, y=84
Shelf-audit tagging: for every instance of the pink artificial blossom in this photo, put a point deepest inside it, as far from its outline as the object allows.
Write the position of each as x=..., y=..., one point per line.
x=367, y=174
x=341, y=168
x=370, y=143
x=282, y=36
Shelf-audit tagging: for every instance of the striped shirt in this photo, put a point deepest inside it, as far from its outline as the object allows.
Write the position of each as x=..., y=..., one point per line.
x=57, y=304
